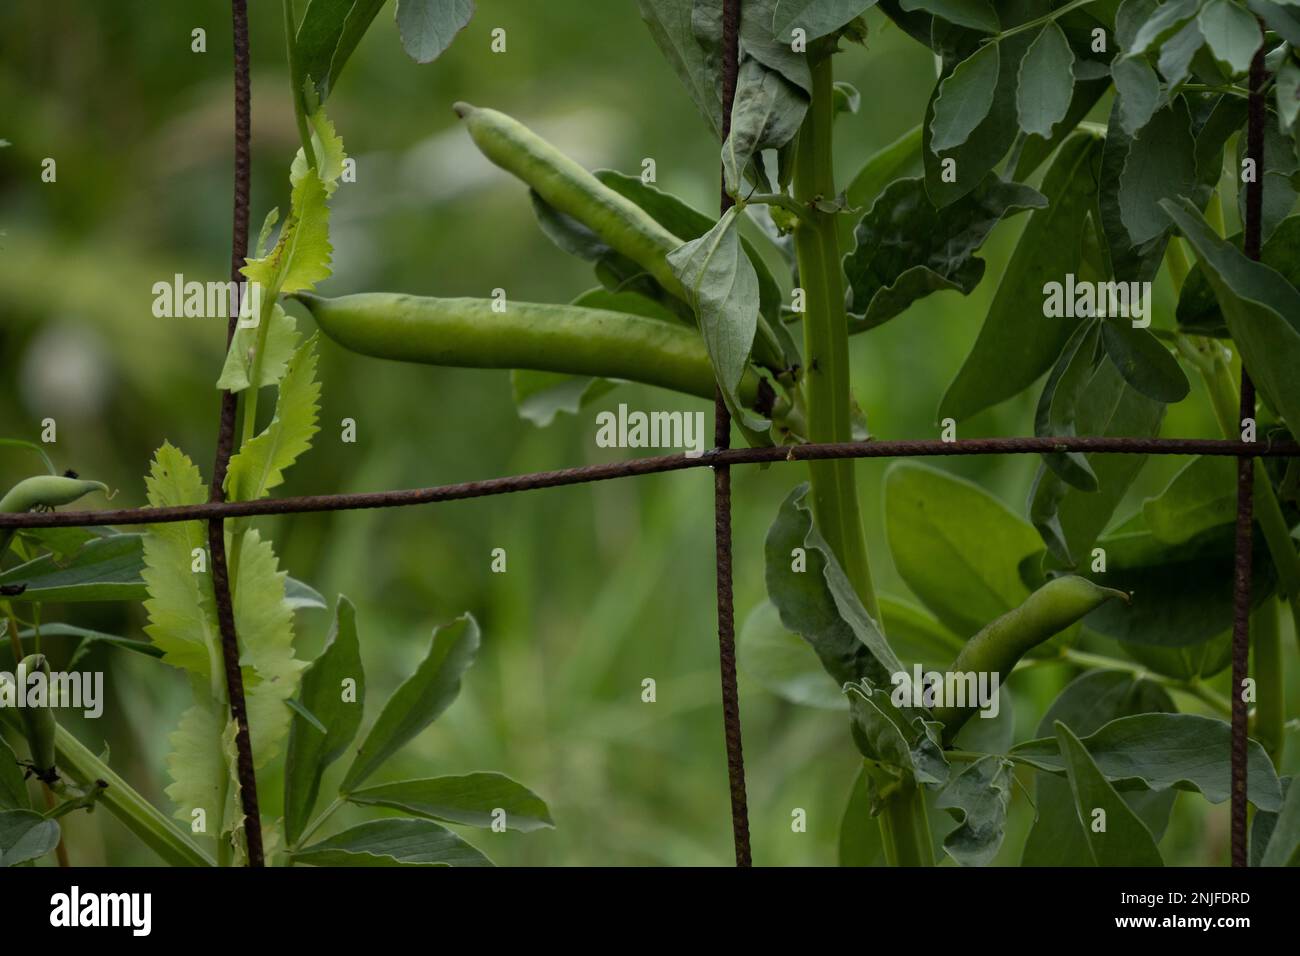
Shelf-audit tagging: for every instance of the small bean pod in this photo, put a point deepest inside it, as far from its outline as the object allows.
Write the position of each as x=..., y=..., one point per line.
x=43, y=491
x=1000, y=645
x=471, y=333
x=38, y=722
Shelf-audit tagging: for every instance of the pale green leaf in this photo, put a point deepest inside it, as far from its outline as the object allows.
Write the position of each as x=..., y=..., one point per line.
x=301, y=256
x=327, y=146
x=427, y=27
x=281, y=340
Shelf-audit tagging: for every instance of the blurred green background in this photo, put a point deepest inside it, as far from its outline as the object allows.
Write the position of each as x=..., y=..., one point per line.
x=607, y=584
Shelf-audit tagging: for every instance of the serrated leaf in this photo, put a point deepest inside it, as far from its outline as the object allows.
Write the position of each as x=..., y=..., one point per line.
x=1046, y=84
x=1017, y=343
x=472, y=799
x=955, y=545
x=281, y=340
x=1163, y=751
x=979, y=795
x=722, y=287
x=260, y=463
x=202, y=765
x=965, y=98
x=394, y=842
x=427, y=27
x=1232, y=34
x=907, y=249
x=420, y=699
x=301, y=256
x=1122, y=839
x=327, y=147
x=310, y=752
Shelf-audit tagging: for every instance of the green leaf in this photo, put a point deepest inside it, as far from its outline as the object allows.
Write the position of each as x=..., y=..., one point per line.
x=1116, y=836
x=1046, y=84
x=1160, y=165
x=1088, y=702
x=327, y=148
x=301, y=256
x=281, y=340
x=783, y=663
x=902, y=738
x=1138, y=88
x=330, y=30
x=30, y=446
x=13, y=786
x=420, y=699
x=815, y=17
x=722, y=287
x=1058, y=406
x=1284, y=844
x=395, y=842
x=473, y=799
x=965, y=98
x=955, y=545
x=694, y=59
x=975, y=14
x=756, y=40
x=324, y=694
x=1068, y=519
x=1280, y=165
x=1016, y=343
x=1144, y=362
x=87, y=637
x=899, y=158
x=1198, y=309
x=202, y=767
x=1162, y=24
x=859, y=842
x=767, y=113
x=1231, y=33
x=103, y=569
x=978, y=798
x=916, y=634
x=300, y=596
x=816, y=601
x=1281, y=16
x=1178, y=52
x=1203, y=495
x=260, y=463
x=25, y=835
x=1261, y=308
x=907, y=249
x=1287, y=91
x=540, y=396
x=1160, y=751
x=427, y=27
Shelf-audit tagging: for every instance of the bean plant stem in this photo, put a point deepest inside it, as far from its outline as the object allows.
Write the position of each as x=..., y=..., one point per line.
x=1270, y=689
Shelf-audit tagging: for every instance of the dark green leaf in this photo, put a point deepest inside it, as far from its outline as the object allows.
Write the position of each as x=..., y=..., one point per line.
x=1160, y=751
x=955, y=545
x=978, y=798
x=1070, y=520
x=1160, y=165
x=1261, y=308
x=1282, y=17
x=420, y=699
x=1281, y=162
x=395, y=842
x=1203, y=495
x=1017, y=344
x=321, y=692
x=1144, y=361
x=916, y=634
x=1139, y=92
x=1284, y=840
x=965, y=98
x=1115, y=834
x=695, y=59
x=975, y=14
x=88, y=637
x=472, y=799
x=105, y=569
x=330, y=30
x=1162, y=24
x=859, y=842
x=1198, y=309
x=818, y=603
x=1176, y=55
x=1058, y=406
x=902, y=157
x=902, y=738
x=1046, y=84
x=427, y=27
x=757, y=41
x=906, y=248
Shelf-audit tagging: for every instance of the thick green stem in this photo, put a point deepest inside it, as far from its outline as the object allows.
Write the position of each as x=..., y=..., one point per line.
x=904, y=826
x=1270, y=690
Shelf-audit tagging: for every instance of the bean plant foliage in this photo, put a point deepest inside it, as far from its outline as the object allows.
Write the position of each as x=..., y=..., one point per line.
x=1107, y=139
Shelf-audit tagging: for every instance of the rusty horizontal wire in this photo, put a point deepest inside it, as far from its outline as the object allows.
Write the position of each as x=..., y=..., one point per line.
x=649, y=466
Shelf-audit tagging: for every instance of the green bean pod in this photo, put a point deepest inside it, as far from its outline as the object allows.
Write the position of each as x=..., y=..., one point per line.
x=1000, y=645
x=470, y=333
x=38, y=722
x=43, y=491
x=568, y=187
